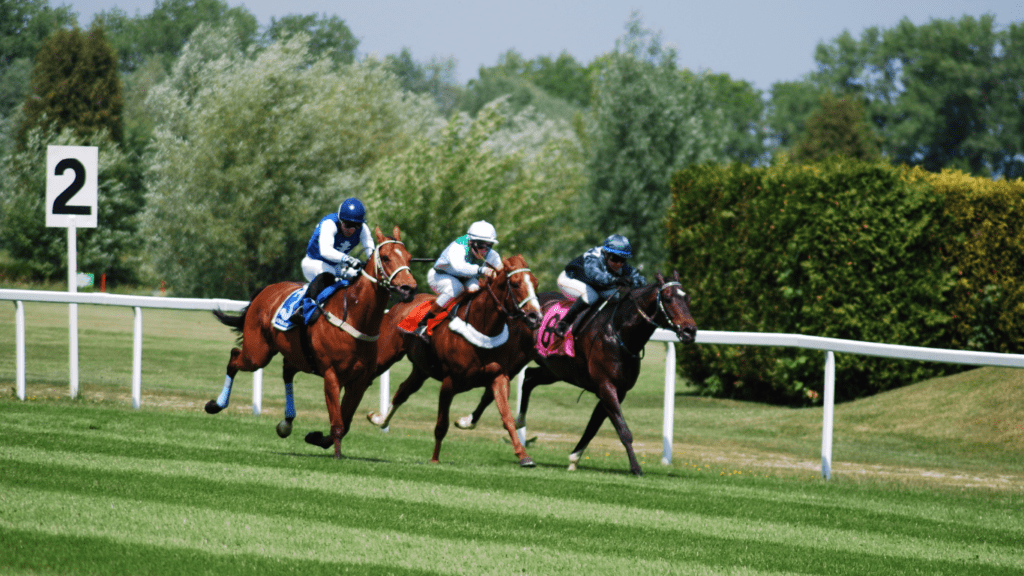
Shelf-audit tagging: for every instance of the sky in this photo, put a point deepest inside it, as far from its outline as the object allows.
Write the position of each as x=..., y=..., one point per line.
x=753, y=40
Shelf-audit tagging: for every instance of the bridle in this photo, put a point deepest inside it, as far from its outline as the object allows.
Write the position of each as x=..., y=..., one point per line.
x=659, y=307
x=517, y=311
x=378, y=267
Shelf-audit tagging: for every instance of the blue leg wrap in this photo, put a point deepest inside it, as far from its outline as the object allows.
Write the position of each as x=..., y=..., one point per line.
x=225, y=394
x=289, y=401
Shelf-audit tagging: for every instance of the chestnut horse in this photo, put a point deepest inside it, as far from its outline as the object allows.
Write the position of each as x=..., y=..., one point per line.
x=499, y=308
x=608, y=345
x=341, y=346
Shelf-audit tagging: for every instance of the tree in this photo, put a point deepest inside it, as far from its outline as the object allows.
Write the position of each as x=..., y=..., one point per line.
x=111, y=248
x=436, y=77
x=743, y=108
x=521, y=172
x=24, y=26
x=648, y=121
x=249, y=152
x=553, y=87
x=941, y=94
x=837, y=129
x=75, y=84
x=163, y=33
x=329, y=37
x=789, y=107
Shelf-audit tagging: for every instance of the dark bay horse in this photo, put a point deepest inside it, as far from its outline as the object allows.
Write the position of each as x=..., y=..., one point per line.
x=608, y=345
x=497, y=313
x=341, y=344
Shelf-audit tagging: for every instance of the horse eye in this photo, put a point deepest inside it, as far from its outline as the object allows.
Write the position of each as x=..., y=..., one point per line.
x=385, y=259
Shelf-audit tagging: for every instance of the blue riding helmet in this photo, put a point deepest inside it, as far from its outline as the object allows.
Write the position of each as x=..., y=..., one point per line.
x=352, y=210
x=618, y=244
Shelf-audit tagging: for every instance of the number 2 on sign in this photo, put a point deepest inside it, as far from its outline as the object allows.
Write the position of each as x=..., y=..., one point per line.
x=71, y=186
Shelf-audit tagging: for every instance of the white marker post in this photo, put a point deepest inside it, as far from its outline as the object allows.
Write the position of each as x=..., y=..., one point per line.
x=71, y=202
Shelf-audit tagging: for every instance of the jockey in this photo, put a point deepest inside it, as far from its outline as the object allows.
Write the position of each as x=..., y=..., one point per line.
x=460, y=268
x=334, y=237
x=598, y=273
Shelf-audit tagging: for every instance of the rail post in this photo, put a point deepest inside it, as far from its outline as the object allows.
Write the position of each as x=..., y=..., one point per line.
x=826, y=420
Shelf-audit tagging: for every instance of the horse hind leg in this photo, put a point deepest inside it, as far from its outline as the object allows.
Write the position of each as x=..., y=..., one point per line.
x=470, y=421
x=597, y=418
x=284, y=427
x=241, y=360
x=407, y=388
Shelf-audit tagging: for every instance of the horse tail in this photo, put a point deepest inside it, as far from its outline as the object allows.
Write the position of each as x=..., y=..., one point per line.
x=236, y=322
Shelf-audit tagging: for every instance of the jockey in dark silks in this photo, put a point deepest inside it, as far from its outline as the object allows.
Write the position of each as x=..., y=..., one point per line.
x=597, y=274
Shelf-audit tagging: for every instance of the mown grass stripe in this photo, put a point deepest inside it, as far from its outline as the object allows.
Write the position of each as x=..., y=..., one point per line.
x=190, y=529
x=432, y=499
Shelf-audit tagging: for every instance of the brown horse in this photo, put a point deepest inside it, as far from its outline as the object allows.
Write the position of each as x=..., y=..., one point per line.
x=499, y=308
x=341, y=346
x=609, y=341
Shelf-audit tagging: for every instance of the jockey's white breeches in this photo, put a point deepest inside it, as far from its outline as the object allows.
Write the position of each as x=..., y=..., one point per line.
x=577, y=289
x=312, y=268
x=447, y=286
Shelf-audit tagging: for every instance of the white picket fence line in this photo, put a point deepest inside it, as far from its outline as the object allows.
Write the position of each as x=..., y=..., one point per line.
x=828, y=345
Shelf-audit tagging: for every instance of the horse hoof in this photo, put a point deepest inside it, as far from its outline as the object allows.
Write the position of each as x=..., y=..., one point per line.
x=527, y=462
x=572, y=467
x=465, y=423
x=318, y=439
x=520, y=421
x=284, y=428
x=375, y=419
x=212, y=407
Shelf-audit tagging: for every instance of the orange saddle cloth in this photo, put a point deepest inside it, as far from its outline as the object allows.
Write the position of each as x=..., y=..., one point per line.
x=410, y=322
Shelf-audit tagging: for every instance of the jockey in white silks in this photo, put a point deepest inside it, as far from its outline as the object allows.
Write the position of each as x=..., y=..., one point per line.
x=460, y=267
x=336, y=235
x=596, y=274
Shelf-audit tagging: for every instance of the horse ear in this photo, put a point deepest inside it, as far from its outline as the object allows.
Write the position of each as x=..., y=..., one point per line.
x=377, y=233
x=398, y=233
x=675, y=275
x=659, y=278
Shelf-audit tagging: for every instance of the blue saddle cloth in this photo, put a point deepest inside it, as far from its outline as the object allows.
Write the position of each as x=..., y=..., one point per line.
x=297, y=303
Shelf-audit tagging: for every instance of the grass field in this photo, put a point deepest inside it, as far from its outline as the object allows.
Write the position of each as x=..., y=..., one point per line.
x=927, y=479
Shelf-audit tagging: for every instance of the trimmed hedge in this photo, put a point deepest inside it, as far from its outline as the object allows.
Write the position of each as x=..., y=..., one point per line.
x=842, y=249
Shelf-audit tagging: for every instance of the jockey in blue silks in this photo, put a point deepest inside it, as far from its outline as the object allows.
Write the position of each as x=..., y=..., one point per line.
x=335, y=236
x=597, y=273
x=460, y=267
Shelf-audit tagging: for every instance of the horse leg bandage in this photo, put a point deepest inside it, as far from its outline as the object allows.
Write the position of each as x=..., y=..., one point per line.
x=289, y=401
x=225, y=394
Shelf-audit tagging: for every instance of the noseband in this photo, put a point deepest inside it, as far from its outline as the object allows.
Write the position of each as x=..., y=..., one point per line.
x=378, y=267
x=660, y=306
x=518, y=311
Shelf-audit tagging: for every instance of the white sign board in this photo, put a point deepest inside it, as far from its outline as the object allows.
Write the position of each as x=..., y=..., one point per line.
x=71, y=186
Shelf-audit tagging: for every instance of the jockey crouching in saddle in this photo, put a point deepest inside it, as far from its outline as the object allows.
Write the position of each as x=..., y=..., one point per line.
x=597, y=273
x=334, y=237
x=460, y=267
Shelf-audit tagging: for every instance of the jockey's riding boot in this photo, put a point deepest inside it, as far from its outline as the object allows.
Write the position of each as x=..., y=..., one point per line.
x=421, y=329
x=566, y=323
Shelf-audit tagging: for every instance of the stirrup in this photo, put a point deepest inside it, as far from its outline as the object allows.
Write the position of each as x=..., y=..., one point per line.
x=421, y=333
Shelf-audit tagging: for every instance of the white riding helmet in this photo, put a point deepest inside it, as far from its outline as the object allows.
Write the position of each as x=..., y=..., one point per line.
x=482, y=231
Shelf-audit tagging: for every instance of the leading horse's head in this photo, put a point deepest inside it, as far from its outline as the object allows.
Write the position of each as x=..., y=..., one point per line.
x=390, y=266
x=674, y=305
x=521, y=296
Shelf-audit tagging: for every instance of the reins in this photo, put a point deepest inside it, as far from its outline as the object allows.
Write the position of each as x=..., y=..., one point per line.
x=518, y=311
x=658, y=307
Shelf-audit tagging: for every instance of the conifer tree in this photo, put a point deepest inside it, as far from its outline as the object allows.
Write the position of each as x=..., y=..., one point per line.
x=75, y=85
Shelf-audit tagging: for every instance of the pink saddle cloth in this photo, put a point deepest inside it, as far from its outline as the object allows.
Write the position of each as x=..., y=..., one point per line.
x=548, y=343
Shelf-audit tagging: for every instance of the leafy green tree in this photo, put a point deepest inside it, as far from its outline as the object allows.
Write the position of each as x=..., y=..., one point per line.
x=329, y=37
x=249, y=152
x=75, y=84
x=521, y=172
x=110, y=248
x=436, y=77
x=163, y=33
x=533, y=83
x=648, y=121
x=789, y=107
x=938, y=93
x=744, y=109
x=837, y=129
x=24, y=26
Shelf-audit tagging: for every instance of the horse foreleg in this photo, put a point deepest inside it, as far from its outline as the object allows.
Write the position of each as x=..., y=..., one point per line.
x=332, y=393
x=409, y=386
x=444, y=404
x=499, y=389
x=469, y=422
x=597, y=418
x=611, y=402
